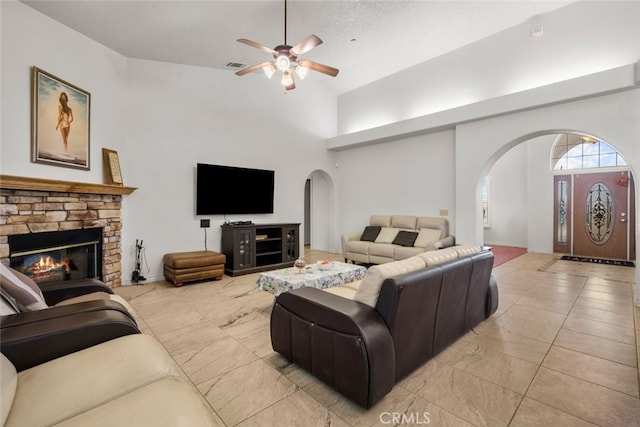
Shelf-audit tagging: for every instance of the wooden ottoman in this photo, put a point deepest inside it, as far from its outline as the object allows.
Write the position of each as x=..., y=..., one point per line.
x=181, y=267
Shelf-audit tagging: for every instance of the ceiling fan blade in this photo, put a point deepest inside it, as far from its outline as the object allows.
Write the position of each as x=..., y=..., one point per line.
x=319, y=67
x=252, y=68
x=306, y=45
x=258, y=45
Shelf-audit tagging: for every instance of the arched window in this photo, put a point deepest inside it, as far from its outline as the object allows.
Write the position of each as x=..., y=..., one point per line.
x=572, y=151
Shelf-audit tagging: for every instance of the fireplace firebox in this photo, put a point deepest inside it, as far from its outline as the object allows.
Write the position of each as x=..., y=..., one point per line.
x=58, y=255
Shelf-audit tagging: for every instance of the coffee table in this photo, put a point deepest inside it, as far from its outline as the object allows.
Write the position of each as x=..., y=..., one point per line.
x=318, y=276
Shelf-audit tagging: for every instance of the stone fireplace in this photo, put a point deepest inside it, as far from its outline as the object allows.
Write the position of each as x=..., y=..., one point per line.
x=42, y=208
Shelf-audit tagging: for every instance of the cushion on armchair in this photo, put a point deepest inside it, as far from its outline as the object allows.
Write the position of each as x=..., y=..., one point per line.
x=22, y=288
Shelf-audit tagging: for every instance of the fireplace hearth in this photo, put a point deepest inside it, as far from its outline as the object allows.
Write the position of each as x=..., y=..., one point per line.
x=58, y=255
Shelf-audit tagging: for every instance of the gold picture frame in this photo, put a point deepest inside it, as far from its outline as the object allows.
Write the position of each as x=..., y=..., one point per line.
x=60, y=122
x=111, y=167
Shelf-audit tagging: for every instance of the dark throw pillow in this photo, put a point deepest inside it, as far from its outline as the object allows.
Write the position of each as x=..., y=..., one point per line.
x=370, y=233
x=405, y=238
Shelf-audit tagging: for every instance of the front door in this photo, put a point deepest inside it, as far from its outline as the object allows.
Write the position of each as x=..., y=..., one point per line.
x=600, y=215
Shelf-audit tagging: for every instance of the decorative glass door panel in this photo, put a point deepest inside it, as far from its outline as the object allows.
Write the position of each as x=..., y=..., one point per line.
x=598, y=212
x=245, y=242
x=290, y=242
x=562, y=219
x=604, y=215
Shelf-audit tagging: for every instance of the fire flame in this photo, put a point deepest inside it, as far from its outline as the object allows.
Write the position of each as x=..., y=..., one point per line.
x=47, y=264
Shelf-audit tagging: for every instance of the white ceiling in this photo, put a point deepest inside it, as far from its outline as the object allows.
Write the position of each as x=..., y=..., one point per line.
x=365, y=39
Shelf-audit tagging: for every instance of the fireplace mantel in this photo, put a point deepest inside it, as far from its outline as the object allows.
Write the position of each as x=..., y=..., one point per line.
x=11, y=182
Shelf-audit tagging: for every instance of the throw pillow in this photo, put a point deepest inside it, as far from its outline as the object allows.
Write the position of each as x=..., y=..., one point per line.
x=387, y=234
x=370, y=233
x=426, y=236
x=22, y=288
x=405, y=238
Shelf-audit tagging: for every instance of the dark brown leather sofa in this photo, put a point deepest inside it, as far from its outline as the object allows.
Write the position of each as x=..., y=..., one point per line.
x=362, y=351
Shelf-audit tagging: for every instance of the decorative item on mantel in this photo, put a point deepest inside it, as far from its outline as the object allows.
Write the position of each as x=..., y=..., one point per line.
x=111, y=167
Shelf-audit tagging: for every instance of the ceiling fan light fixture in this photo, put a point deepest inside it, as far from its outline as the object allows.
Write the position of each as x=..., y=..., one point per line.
x=287, y=79
x=269, y=70
x=302, y=71
x=283, y=62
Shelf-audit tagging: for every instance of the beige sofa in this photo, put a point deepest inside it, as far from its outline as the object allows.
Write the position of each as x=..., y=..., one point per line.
x=128, y=381
x=398, y=237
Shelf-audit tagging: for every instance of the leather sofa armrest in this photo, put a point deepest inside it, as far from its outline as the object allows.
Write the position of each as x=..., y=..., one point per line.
x=344, y=343
x=446, y=242
x=57, y=291
x=30, y=344
x=61, y=311
x=441, y=244
x=492, y=301
x=347, y=237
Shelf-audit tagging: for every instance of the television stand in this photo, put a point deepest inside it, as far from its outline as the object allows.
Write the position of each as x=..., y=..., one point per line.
x=252, y=248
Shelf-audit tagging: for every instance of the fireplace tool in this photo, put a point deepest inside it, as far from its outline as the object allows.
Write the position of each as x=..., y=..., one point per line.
x=137, y=276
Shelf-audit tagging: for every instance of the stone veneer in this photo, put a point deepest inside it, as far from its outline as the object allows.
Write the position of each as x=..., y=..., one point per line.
x=29, y=211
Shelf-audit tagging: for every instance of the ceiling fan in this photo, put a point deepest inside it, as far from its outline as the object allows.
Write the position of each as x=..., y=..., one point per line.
x=287, y=59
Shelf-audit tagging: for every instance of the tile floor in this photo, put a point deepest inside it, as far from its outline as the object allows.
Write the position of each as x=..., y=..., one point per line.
x=560, y=351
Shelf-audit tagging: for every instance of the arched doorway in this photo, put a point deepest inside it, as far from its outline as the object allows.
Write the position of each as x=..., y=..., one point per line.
x=480, y=143
x=318, y=211
x=518, y=194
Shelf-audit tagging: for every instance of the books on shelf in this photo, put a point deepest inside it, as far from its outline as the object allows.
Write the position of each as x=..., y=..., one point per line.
x=262, y=236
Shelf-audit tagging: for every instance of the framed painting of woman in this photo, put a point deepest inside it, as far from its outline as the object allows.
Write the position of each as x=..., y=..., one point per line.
x=60, y=122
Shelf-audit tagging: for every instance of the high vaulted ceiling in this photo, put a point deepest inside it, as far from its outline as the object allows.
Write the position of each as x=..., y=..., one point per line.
x=365, y=39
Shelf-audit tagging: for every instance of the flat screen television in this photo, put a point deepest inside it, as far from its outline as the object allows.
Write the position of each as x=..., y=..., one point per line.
x=233, y=190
